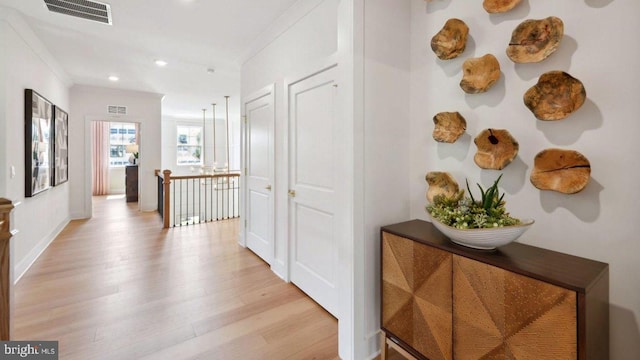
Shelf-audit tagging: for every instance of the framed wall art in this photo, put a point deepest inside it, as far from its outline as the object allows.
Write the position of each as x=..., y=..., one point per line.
x=60, y=146
x=37, y=125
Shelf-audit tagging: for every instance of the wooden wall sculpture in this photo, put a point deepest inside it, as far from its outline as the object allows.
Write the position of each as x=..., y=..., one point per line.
x=535, y=40
x=496, y=149
x=565, y=171
x=499, y=6
x=441, y=183
x=479, y=74
x=449, y=126
x=555, y=96
x=451, y=40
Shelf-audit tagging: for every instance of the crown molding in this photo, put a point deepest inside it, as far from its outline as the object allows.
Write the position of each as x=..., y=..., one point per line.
x=284, y=22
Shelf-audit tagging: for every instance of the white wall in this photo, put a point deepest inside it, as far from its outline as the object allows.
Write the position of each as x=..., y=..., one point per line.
x=601, y=222
x=306, y=41
x=90, y=104
x=381, y=147
x=387, y=49
x=25, y=63
x=117, y=180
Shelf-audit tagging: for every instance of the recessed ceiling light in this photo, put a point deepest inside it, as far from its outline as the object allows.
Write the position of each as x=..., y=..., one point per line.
x=161, y=62
x=211, y=70
x=113, y=78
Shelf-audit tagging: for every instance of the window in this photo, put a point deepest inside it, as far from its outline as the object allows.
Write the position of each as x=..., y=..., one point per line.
x=121, y=135
x=189, y=145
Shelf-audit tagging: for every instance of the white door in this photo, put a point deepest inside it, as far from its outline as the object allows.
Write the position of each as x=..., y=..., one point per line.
x=313, y=207
x=259, y=127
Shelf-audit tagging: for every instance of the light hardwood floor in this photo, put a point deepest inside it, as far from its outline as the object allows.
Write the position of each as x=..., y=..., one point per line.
x=118, y=286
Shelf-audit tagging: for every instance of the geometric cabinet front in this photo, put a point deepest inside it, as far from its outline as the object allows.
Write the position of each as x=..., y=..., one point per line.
x=519, y=302
x=446, y=306
x=502, y=315
x=417, y=296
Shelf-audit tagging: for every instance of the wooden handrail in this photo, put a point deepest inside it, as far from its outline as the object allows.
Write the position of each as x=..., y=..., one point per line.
x=167, y=179
x=210, y=176
x=5, y=269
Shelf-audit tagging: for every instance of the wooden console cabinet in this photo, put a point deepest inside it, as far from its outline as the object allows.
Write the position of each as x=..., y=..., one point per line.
x=445, y=301
x=131, y=183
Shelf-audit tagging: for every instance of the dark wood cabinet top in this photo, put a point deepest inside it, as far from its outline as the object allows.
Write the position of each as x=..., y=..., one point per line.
x=568, y=271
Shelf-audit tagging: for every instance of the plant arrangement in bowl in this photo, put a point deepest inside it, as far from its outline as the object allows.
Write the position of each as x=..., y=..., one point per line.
x=482, y=223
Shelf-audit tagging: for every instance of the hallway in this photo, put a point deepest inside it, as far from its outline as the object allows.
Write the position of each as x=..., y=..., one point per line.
x=118, y=286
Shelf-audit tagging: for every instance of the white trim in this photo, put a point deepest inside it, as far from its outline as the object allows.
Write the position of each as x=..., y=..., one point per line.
x=280, y=268
x=242, y=239
x=304, y=72
x=267, y=91
x=352, y=341
x=23, y=266
x=307, y=71
x=88, y=164
x=277, y=270
x=373, y=342
x=190, y=124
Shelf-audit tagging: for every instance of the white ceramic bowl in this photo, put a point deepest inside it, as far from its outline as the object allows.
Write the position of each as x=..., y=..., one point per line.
x=485, y=239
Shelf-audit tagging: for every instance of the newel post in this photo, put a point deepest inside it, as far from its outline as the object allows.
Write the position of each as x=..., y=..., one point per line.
x=5, y=270
x=167, y=199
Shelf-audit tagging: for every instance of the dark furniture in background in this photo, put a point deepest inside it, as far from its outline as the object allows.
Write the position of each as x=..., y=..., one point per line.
x=131, y=183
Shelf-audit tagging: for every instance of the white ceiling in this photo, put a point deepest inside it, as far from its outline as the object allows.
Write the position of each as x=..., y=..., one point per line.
x=190, y=35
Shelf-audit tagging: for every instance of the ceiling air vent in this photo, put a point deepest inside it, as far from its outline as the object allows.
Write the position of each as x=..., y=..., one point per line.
x=117, y=110
x=89, y=10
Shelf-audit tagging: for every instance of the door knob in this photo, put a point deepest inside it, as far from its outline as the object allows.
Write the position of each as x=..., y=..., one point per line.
x=292, y=193
x=268, y=187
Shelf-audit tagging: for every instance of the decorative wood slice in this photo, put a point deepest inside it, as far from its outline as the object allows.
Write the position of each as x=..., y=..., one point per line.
x=449, y=126
x=441, y=183
x=451, y=40
x=565, y=171
x=555, y=96
x=534, y=40
x=499, y=6
x=496, y=149
x=479, y=74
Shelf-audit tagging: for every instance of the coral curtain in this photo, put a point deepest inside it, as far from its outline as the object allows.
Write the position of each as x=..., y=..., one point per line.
x=100, y=152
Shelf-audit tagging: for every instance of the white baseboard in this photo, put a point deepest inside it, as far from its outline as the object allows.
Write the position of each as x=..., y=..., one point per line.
x=78, y=216
x=241, y=240
x=278, y=267
x=21, y=268
x=373, y=344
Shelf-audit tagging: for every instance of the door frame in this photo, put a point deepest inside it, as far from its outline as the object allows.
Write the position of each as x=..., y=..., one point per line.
x=353, y=342
x=301, y=74
x=319, y=69
x=88, y=159
x=269, y=91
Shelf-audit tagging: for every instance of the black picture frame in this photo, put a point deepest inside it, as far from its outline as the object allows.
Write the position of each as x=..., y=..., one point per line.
x=37, y=145
x=60, y=136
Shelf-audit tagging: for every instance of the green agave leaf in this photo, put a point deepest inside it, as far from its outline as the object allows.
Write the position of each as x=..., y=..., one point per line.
x=469, y=190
